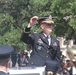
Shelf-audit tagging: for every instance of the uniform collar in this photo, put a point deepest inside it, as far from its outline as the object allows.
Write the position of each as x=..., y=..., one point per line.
x=46, y=35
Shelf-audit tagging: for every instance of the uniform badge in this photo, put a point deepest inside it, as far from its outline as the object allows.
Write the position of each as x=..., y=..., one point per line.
x=39, y=47
x=40, y=41
x=54, y=44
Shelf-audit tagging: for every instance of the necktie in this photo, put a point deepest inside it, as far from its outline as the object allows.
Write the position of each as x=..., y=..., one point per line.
x=49, y=39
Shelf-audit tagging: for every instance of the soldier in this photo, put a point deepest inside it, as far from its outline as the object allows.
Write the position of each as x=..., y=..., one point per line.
x=45, y=51
x=4, y=58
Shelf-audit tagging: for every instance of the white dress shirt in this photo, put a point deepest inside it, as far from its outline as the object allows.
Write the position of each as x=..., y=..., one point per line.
x=49, y=38
x=74, y=70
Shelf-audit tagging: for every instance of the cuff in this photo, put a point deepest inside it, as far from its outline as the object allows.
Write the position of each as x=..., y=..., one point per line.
x=27, y=30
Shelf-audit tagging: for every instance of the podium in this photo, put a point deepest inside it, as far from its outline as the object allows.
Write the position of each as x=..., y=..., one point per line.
x=27, y=71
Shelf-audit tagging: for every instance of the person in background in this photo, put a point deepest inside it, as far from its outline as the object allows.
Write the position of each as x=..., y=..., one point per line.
x=4, y=58
x=64, y=71
x=45, y=48
x=14, y=59
x=71, y=65
x=24, y=60
x=19, y=57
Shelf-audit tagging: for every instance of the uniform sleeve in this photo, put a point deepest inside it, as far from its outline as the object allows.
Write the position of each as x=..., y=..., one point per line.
x=58, y=52
x=26, y=36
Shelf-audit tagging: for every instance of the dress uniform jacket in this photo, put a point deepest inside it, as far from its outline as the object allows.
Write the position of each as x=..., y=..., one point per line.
x=43, y=53
x=3, y=73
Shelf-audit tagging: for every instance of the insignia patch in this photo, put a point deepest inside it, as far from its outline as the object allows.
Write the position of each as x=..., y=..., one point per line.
x=54, y=44
x=40, y=41
x=39, y=47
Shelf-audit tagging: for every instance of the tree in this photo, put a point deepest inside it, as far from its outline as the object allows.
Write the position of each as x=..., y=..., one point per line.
x=66, y=14
x=15, y=15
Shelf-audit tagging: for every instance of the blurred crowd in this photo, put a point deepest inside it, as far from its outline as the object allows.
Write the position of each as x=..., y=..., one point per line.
x=68, y=67
x=21, y=59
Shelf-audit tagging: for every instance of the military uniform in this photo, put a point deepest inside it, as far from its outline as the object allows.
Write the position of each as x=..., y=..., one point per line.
x=4, y=57
x=43, y=53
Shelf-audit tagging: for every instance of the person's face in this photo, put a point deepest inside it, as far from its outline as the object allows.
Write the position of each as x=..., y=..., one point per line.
x=46, y=28
x=69, y=64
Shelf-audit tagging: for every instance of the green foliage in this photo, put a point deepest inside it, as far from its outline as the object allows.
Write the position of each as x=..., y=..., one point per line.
x=15, y=15
x=12, y=38
x=6, y=21
x=65, y=12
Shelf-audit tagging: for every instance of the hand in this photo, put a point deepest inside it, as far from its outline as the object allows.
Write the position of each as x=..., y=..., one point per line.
x=33, y=20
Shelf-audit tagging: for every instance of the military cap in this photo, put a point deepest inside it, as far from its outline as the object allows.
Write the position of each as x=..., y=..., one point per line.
x=5, y=51
x=46, y=19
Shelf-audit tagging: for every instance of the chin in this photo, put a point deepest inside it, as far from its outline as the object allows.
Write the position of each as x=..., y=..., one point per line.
x=49, y=31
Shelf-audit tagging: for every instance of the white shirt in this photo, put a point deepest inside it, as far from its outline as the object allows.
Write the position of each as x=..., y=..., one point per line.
x=74, y=71
x=49, y=38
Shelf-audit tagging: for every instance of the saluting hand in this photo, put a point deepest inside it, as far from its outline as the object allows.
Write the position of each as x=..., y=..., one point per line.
x=33, y=20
